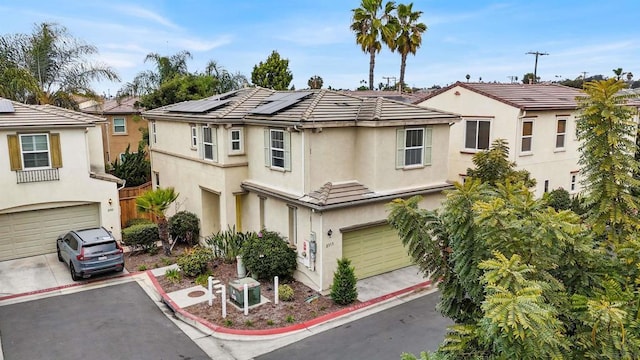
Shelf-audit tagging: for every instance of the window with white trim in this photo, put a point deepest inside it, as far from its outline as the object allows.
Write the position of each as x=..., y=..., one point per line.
x=527, y=136
x=35, y=151
x=194, y=136
x=413, y=147
x=477, y=134
x=119, y=126
x=236, y=143
x=574, y=182
x=277, y=150
x=561, y=133
x=209, y=146
x=154, y=133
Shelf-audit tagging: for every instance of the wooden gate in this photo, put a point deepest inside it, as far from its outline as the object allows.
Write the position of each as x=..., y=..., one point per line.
x=128, y=198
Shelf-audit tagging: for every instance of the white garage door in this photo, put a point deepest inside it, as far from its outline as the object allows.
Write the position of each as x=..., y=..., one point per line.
x=29, y=233
x=374, y=250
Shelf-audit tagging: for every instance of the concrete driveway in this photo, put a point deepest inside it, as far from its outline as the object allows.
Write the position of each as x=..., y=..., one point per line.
x=35, y=273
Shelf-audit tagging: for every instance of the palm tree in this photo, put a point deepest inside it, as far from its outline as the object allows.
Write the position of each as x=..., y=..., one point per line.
x=369, y=28
x=48, y=67
x=225, y=81
x=167, y=68
x=156, y=202
x=409, y=35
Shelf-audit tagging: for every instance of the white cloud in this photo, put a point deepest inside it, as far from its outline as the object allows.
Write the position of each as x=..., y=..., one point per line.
x=139, y=12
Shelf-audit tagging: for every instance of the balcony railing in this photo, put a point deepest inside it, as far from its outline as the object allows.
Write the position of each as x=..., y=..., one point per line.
x=29, y=176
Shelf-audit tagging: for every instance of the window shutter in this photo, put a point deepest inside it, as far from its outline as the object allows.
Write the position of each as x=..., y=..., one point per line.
x=214, y=142
x=14, y=153
x=56, y=154
x=428, y=133
x=287, y=150
x=267, y=156
x=400, y=148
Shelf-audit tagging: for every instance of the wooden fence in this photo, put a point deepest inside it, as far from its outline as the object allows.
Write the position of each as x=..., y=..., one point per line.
x=128, y=197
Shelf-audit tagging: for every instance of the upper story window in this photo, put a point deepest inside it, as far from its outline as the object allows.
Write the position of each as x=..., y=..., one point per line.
x=194, y=137
x=154, y=133
x=277, y=149
x=477, y=134
x=527, y=136
x=413, y=147
x=35, y=151
x=119, y=126
x=209, y=143
x=236, y=142
x=561, y=133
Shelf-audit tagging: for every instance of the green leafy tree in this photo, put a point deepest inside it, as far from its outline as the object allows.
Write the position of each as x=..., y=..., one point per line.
x=274, y=73
x=372, y=23
x=134, y=168
x=409, y=35
x=529, y=78
x=492, y=166
x=607, y=131
x=49, y=66
x=343, y=288
x=180, y=88
x=559, y=199
x=315, y=82
x=156, y=202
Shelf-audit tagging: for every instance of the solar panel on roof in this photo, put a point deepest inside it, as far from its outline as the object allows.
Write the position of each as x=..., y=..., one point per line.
x=287, y=96
x=199, y=106
x=273, y=107
x=6, y=106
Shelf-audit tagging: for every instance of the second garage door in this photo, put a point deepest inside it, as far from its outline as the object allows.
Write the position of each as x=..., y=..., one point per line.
x=30, y=233
x=374, y=250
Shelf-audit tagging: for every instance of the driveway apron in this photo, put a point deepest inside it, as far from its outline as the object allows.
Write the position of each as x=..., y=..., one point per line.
x=112, y=322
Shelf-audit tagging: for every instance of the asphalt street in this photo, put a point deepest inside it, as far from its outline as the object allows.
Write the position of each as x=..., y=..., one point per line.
x=112, y=322
x=412, y=327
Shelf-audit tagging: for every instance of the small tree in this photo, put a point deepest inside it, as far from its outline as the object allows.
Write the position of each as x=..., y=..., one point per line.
x=274, y=73
x=184, y=225
x=559, y=199
x=315, y=82
x=343, y=289
x=134, y=168
x=156, y=202
x=267, y=255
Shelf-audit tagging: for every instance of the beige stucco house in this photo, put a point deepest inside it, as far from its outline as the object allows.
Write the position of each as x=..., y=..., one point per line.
x=317, y=166
x=123, y=127
x=537, y=120
x=52, y=178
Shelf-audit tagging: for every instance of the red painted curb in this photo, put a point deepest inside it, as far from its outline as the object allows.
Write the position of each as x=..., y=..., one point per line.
x=56, y=288
x=282, y=330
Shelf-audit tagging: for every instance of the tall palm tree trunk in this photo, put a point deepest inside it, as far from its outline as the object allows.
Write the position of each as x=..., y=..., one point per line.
x=403, y=67
x=372, y=65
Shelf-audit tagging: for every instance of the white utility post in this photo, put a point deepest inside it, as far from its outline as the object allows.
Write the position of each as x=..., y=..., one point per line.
x=275, y=290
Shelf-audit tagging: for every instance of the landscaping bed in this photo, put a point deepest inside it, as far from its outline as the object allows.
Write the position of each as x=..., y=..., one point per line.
x=306, y=304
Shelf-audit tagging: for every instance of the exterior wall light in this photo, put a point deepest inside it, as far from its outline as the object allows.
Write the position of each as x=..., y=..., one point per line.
x=329, y=233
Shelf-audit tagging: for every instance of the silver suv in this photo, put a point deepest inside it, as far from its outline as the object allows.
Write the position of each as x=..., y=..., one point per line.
x=89, y=252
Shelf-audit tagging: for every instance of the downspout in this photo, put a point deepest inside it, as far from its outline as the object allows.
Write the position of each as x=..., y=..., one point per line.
x=523, y=114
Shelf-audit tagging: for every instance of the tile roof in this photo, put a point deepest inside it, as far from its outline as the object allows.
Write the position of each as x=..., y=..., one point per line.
x=318, y=108
x=115, y=106
x=523, y=96
x=336, y=193
x=45, y=116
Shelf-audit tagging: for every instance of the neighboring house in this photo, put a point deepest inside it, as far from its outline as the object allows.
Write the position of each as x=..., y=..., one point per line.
x=537, y=120
x=52, y=178
x=122, y=128
x=317, y=166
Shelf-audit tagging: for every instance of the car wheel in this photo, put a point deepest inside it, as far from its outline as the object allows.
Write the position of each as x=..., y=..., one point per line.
x=121, y=269
x=59, y=255
x=74, y=276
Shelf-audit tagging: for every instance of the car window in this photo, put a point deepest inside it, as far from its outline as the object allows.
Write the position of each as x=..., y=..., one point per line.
x=99, y=248
x=73, y=243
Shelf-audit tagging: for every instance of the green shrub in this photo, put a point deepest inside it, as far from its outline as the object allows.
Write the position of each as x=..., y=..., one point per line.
x=285, y=292
x=267, y=255
x=228, y=244
x=270, y=322
x=173, y=275
x=248, y=323
x=559, y=199
x=142, y=267
x=203, y=279
x=137, y=221
x=185, y=226
x=195, y=261
x=343, y=289
x=228, y=323
x=290, y=319
x=141, y=236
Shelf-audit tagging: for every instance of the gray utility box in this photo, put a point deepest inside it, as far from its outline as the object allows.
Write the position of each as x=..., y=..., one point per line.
x=236, y=291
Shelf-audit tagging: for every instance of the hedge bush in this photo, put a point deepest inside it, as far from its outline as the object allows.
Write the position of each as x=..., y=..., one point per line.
x=343, y=289
x=137, y=221
x=195, y=262
x=267, y=254
x=141, y=236
x=185, y=225
x=285, y=292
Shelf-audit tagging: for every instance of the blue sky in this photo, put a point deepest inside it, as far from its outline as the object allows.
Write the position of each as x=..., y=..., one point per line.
x=486, y=39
